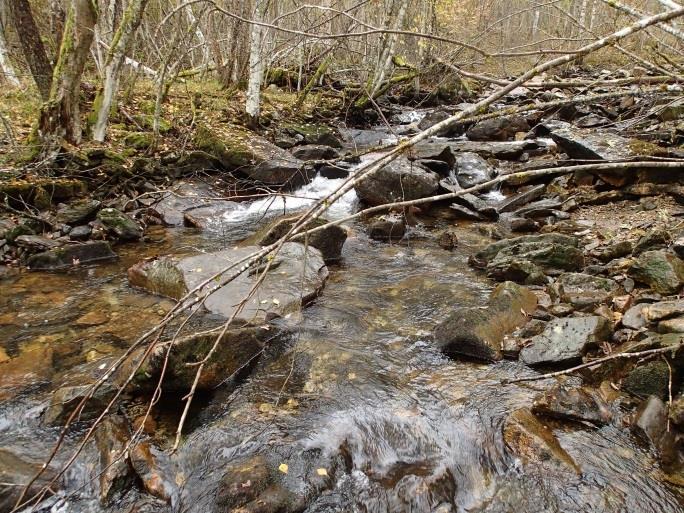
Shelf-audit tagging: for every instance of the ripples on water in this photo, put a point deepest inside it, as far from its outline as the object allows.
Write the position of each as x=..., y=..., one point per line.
x=359, y=391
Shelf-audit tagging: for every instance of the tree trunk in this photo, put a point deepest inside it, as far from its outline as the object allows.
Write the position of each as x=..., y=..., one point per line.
x=31, y=45
x=116, y=56
x=256, y=66
x=60, y=116
x=385, y=60
x=5, y=64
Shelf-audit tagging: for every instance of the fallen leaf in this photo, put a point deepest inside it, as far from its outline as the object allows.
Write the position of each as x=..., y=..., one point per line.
x=283, y=468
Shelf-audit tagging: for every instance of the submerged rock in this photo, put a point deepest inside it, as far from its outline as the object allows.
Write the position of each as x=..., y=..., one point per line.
x=390, y=227
x=578, y=404
x=296, y=276
x=154, y=470
x=397, y=181
x=16, y=470
x=660, y=270
x=115, y=473
x=565, y=341
x=534, y=443
x=479, y=332
x=71, y=255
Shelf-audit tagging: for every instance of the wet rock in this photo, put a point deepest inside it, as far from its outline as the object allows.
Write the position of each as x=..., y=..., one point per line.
x=313, y=133
x=36, y=243
x=448, y=239
x=472, y=170
x=434, y=152
x=16, y=470
x=119, y=224
x=328, y=241
x=497, y=129
x=437, y=116
x=280, y=293
x=650, y=422
x=246, y=153
x=154, y=469
x=389, y=227
x=243, y=481
x=334, y=171
x=463, y=212
x=315, y=152
x=657, y=239
x=71, y=255
x=80, y=233
x=583, y=291
x=649, y=379
x=660, y=270
x=115, y=473
x=486, y=255
x=75, y=387
x=209, y=216
x=534, y=443
x=32, y=368
x=181, y=197
x=479, y=332
x=580, y=404
x=78, y=212
x=565, y=341
x=398, y=180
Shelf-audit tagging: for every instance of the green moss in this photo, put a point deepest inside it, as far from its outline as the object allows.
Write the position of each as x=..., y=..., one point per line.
x=139, y=140
x=645, y=148
x=147, y=121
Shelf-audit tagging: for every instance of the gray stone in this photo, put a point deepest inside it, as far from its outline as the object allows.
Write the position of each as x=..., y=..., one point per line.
x=399, y=180
x=471, y=170
x=583, y=291
x=497, y=129
x=119, y=224
x=389, y=227
x=565, y=341
x=80, y=233
x=78, y=212
x=315, y=152
x=660, y=270
x=72, y=255
x=36, y=242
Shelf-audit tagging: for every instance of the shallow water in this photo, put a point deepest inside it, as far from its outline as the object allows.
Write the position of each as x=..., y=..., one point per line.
x=358, y=391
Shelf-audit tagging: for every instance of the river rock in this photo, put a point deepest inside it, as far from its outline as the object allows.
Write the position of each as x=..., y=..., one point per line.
x=390, y=227
x=69, y=256
x=280, y=293
x=315, y=152
x=650, y=422
x=171, y=205
x=248, y=154
x=503, y=150
x=565, y=341
x=115, y=473
x=434, y=152
x=497, y=129
x=154, y=469
x=655, y=312
x=675, y=325
x=16, y=470
x=328, y=241
x=210, y=216
x=528, y=258
x=611, y=252
x=36, y=243
x=534, y=442
x=32, y=368
x=584, y=291
x=479, y=332
x=520, y=198
x=312, y=133
x=634, y=318
x=80, y=233
x=580, y=404
x=657, y=239
x=472, y=170
x=399, y=180
x=119, y=224
x=651, y=378
x=78, y=212
x=660, y=270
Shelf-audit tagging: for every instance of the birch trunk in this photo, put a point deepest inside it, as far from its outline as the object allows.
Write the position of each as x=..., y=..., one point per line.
x=256, y=66
x=59, y=117
x=31, y=45
x=385, y=60
x=116, y=56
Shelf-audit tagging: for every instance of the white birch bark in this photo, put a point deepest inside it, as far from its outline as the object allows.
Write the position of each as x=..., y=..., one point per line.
x=256, y=65
x=5, y=64
x=385, y=60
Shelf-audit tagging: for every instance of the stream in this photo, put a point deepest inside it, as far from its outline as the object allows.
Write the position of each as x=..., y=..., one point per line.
x=356, y=413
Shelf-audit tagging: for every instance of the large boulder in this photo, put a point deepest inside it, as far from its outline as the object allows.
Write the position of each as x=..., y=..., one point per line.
x=529, y=258
x=245, y=152
x=398, y=181
x=565, y=341
x=328, y=241
x=478, y=333
x=296, y=276
x=661, y=270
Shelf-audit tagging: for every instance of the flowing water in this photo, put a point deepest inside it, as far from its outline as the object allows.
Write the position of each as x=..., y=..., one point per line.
x=357, y=410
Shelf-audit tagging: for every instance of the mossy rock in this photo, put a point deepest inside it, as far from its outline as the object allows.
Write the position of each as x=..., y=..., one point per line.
x=652, y=378
x=660, y=270
x=146, y=121
x=139, y=140
x=313, y=133
x=40, y=192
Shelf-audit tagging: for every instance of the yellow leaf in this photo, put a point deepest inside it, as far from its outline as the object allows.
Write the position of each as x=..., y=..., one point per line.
x=321, y=472
x=283, y=468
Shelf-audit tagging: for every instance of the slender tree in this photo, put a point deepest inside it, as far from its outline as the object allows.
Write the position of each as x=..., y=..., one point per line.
x=31, y=44
x=256, y=65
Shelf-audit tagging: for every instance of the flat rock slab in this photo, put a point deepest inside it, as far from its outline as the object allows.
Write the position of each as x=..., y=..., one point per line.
x=565, y=341
x=69, y=256
x=297, y=275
